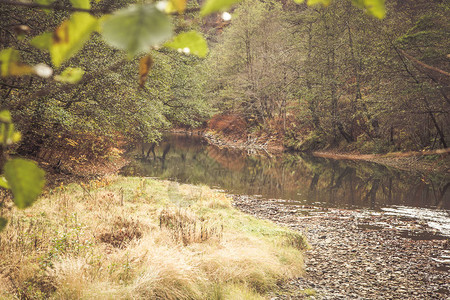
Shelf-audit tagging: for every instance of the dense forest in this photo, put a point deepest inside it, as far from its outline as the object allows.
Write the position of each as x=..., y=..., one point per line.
x=319, y=76
x=107, y=104
x=338, y=76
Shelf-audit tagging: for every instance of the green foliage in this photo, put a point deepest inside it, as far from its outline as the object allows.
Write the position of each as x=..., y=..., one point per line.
x=192, y=40
x=312, y=141
x=248, y=69
x=345, y=76
x=137, y=28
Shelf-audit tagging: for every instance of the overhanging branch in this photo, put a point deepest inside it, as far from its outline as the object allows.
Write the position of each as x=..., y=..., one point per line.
x=33, y=5
x=54, y=7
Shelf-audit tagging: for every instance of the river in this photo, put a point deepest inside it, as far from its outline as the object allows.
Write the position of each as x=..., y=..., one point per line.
x=301, y=180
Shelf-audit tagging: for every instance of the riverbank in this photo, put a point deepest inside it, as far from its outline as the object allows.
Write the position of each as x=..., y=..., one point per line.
x=250, y=144
x=142, y=238
x=358, y=254
x=435, y=161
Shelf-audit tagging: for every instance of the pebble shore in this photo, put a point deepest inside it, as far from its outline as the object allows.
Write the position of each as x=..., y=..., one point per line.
x=353, y=257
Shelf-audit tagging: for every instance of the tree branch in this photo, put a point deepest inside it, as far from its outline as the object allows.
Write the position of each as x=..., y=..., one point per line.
x=424, y=65
x=53, y=7
x=11, y=86
x=75, y=9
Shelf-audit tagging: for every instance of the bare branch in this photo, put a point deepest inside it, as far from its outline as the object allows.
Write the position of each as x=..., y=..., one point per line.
x=11, y=86
x=424, y=65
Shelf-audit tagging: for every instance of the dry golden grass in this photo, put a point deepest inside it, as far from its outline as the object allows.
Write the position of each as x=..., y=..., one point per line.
x=134, y=238
x=185, y=227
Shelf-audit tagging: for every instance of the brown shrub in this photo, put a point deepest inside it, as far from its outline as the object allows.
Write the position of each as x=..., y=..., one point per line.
x=187, y=228
x=121, y=233
x=70, y=151
x=232, y=125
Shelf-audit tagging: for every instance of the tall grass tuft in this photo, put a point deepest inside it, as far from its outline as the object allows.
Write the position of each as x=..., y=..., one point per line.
x=187, y=228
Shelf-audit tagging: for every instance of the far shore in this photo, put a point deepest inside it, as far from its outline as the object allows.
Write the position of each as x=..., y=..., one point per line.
x=433, y=161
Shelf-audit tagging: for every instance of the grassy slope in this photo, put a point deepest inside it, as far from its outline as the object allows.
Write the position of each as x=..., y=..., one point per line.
x=134, y=238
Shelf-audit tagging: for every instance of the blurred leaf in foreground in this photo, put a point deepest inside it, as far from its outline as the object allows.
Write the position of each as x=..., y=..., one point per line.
x=191, y=40
x=25, y=179
x=70, y=75
x=137, y=28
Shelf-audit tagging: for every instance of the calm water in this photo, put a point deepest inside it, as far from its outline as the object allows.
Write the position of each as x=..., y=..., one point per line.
x=302, y=179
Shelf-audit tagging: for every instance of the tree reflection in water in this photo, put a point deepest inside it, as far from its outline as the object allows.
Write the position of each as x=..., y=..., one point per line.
x=310, y=180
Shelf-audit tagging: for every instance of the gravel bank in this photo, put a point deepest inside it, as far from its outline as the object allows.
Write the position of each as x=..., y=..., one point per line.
x=359, y=254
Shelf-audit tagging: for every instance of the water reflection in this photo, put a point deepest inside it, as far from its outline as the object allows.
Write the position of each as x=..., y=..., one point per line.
x=308, y=180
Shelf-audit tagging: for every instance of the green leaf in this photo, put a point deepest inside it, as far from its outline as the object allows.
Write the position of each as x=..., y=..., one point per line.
x=15, y=137
x=6, y=56
x=323, y=2
x=145, y=64
x=3, y=223
x=299, y=1
x=26, y=180
x=43, y=41
x=4, y=183
x=5, y=116
x=11, y=65
x=45, y=2
x=70, y=75
x=376, y=8
x=137, y=28
x=86, y=4
x=216, y=5
x=68, y=38
x=176, y=5
x=8, y=135
x=191, y=40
